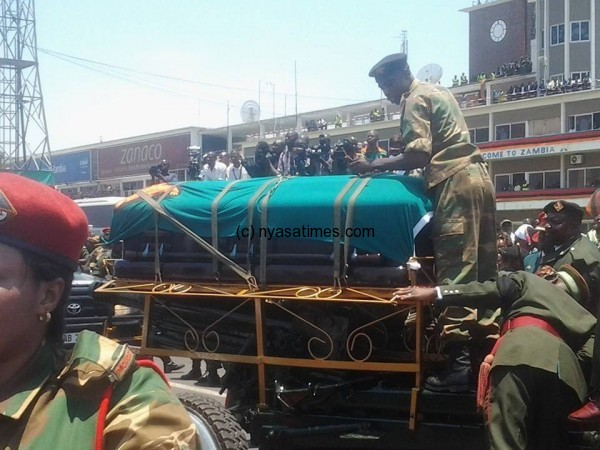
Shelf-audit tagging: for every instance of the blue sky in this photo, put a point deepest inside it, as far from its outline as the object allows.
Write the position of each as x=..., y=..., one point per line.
x=210, y=53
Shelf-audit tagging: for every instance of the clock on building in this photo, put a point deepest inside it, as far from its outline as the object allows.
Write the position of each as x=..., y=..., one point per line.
x=498, y=30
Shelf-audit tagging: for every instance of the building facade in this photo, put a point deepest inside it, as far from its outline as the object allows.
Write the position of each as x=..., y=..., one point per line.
x=532, y=105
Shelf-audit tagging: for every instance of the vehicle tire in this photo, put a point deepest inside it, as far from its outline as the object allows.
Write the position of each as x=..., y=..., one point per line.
x=217, y=427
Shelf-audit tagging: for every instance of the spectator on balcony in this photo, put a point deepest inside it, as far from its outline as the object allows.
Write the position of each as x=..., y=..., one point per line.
x=455, y=81
x=338, y=121
x=463, y=79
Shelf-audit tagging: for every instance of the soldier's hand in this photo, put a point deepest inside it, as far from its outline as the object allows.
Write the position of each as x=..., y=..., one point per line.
x=359, y=165
x=415, y=294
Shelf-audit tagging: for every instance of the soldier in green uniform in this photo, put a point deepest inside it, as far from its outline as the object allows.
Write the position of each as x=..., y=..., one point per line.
x=97, y=395
x=436, y=137
x=536, y=377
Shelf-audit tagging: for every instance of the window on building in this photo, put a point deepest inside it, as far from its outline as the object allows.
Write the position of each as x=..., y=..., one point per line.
x=580, y=31
x=584, y=122
x=579, y=75
x=551, y=180
x=536, y=180
x=527, y=181
x=544, y=180
x=588, y=177
x=510, y=131
x=576, y=178
x=479, y=135
x=502, y=183
x=557, y=33
x=592, y=176
x=518, y=180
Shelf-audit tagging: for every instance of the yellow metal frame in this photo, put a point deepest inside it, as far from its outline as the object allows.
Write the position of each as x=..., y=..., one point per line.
x=274, y=296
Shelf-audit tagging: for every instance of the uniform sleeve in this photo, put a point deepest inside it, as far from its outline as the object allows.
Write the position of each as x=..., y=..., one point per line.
x=416, y=125
x=472, y=294
x=145, y=414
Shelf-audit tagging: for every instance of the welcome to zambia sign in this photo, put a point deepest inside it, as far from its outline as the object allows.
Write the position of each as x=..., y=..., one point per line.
x=553, y=146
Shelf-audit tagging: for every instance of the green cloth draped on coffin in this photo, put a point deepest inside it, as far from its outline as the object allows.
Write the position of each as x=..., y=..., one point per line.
x=394, y=207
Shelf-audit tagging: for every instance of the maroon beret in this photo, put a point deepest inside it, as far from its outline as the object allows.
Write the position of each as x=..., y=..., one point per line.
x=38, y=219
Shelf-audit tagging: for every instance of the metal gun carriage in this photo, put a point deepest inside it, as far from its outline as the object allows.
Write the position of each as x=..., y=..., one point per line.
x=316, y=353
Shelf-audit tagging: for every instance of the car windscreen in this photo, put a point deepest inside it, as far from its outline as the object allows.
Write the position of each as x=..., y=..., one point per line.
x=99, y=216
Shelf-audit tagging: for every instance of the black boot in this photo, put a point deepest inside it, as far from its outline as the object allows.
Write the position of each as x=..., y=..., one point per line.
x=195, y=373
x=210, y=378
x=457, y=377
x=172, y=366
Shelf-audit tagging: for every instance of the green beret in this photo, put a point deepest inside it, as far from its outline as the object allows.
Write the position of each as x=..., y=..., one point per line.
x=388, y=64
x=569, y=209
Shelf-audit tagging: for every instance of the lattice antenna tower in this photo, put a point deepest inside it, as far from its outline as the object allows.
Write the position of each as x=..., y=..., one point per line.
x=404, y=42
x=24, y=141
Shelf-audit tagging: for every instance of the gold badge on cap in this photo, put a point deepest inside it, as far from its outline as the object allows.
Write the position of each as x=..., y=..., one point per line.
x=558, y=206
x=7, y=211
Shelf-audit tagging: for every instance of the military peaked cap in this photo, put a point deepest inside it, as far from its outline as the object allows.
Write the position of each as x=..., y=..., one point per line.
x=38, y=219
x=388, y=64
x=569, y=209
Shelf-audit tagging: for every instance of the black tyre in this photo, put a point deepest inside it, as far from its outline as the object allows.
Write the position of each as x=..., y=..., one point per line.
x=217, y=427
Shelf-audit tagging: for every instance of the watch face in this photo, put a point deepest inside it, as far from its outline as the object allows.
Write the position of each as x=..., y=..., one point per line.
x=498, y=30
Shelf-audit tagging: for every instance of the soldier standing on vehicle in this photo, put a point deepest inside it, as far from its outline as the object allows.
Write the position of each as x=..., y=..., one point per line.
x=94, y=396
x=435, y=136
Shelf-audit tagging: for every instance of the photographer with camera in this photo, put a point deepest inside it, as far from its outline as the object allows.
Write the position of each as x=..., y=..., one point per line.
x=286, y=165
x=195, y=167
x=262, y=166
x=160, y=173
x=320, y=156
x=344, y=152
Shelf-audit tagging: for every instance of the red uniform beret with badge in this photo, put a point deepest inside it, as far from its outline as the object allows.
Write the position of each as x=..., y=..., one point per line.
x=38, y=219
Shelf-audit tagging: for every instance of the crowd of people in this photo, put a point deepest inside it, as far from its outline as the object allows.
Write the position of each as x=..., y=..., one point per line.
x=522, y=66
x=534, y=89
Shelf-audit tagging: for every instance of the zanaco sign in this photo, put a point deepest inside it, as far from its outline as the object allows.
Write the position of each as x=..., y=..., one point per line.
x=136, y=158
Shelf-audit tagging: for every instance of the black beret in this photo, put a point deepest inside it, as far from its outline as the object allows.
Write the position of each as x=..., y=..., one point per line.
x=388, y=64
x=569, y=209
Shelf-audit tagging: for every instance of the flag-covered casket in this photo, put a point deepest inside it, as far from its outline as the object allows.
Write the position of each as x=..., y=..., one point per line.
x=281, y=230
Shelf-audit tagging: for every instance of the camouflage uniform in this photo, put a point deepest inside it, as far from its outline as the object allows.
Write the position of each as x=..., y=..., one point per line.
x=535, y=379
x=57, y=399
x=464, y=228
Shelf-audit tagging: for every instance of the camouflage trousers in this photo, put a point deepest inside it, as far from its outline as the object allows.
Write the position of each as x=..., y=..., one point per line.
x=464, y=245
